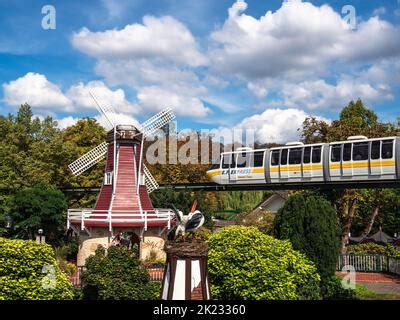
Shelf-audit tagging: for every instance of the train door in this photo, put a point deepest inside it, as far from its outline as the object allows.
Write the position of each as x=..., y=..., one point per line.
x=233, y=169
x=225, y=165
x=274, y=165
x=294, y=168
x=347, y=168
x=316, y=159
x=375, y=164
x=360, y=158
x=335, y=159
x=388, y=157
x=307, y=172
x=283, y=167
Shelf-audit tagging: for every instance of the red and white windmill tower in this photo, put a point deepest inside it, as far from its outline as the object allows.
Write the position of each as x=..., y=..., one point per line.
x=123, y=204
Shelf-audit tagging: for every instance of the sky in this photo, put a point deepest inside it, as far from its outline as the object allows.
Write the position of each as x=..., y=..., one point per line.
x=261, y=65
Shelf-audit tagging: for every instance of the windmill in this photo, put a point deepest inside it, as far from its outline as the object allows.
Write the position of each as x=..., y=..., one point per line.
x=123, y=200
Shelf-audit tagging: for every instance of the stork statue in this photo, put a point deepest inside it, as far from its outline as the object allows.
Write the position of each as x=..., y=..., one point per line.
x=187, y=223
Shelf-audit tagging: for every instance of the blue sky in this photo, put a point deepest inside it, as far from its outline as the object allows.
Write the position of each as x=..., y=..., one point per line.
x=221, y=64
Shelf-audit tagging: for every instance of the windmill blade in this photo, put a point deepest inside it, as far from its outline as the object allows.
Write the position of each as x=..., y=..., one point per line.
x=107, y=111
x=89, y=159
x=157, y=121
x=151, y=183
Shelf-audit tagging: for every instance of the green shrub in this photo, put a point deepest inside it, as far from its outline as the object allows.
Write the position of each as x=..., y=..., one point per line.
x=246, y=264
x=23, y=275
x=333, y=290
x=311, y=225
x=373, y=248
x=116, y=274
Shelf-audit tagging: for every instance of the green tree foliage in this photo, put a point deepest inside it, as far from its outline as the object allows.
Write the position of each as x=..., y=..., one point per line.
x=116, y=274
x=26, y=272
x=311, y=225
x=40, y=206
x=246, y=264
x=373, y=248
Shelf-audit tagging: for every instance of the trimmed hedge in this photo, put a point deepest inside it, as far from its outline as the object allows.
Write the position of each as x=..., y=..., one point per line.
x=26, y=272
x=244, y=263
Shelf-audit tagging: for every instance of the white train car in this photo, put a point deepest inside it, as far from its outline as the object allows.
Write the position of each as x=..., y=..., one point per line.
x=356, y=159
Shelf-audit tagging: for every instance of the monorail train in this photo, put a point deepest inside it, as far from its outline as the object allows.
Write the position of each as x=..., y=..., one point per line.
x=356, y=159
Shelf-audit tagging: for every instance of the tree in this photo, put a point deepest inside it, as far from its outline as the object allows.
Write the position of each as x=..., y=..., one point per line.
x=311, y=225
x=116, y=274
x=40, y=206
x=244, y=263
x=355, y=119
x=29, y=271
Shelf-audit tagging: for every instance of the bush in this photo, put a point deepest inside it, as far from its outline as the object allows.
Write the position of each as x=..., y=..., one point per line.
x=116, y=274
x=373, y=248
x=333, y=290
x=311, y=225
x=246, y=264
x=23, y=275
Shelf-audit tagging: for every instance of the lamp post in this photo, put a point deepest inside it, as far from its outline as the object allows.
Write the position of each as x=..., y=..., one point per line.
x=8, y=223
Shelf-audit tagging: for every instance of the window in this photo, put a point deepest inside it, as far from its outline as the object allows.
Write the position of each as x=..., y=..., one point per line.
x=243, y=159
x=213, y=166
x=307, y=155
x=284, y=155
x=226, y=160
x=295, y=156
x=108, y=178
x=360, y=151
x=375, y=150
x=275, y=158
x=233, y=162
x=336, y=153
x=259, y=158
x=316, y=154
x=387, y=149
x=347, y=152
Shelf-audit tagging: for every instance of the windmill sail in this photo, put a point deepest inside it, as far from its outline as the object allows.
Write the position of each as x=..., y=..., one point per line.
x=107, y=111
x=157, y=121
x=151, y=183
x=89, y=159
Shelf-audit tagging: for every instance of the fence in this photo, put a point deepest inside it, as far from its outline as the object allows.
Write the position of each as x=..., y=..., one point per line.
x=370, y=263
x=156, y=274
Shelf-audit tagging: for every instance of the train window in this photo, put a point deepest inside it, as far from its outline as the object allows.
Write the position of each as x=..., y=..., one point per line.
x=284, y=157
x=259, y=158
x=336, y=153
x=387, y=149
x=226, y=160
x=295, y=156
x=360, y=151
x=243, y=159
x=375, y=149
x=316, y=154
x=347, y=152
x=275, y=158
x=307, y=155
x=214, y=166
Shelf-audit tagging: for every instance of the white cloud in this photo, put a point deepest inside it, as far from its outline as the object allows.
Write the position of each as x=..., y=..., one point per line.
x=275, y=125
x=36, y=90
x=154, y=98
x=67, y=122
x=156, y=38
x=79, y=94
x=298, y=38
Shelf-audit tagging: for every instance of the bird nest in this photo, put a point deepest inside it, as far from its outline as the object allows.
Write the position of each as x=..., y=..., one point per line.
x=186, y=249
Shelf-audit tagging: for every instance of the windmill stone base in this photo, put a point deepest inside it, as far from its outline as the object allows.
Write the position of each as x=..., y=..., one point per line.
x=186, y=276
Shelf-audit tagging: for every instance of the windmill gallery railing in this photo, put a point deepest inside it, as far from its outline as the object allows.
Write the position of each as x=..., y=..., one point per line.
x=80, y=216
x=369, y=263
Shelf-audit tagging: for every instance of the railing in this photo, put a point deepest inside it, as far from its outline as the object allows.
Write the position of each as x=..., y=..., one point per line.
x=369, y=263
x=118, y=216
x=156, y=274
